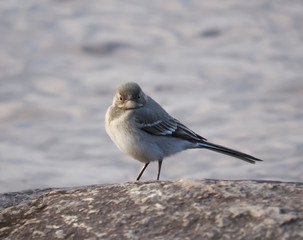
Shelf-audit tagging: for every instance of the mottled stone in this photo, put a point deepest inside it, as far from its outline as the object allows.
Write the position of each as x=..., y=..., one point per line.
x=180, y=209
x=15, y=198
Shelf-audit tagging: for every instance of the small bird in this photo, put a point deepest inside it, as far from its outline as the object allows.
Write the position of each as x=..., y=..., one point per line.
x=141, y=128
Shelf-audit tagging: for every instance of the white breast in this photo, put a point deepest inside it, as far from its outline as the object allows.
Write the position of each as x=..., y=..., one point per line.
x=131, y=140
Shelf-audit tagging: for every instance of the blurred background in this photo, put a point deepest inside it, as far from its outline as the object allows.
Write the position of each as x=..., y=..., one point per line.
x=230, y=70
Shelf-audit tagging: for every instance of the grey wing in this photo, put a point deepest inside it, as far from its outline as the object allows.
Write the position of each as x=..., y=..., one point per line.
x=161, y=127
x=164, y=125
x=184, y=132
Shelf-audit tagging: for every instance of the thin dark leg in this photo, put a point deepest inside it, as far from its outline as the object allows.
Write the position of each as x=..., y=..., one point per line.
x=142, y=170
x=159, y=168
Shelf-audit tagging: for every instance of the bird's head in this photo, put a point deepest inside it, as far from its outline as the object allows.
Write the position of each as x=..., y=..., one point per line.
x=129, y=96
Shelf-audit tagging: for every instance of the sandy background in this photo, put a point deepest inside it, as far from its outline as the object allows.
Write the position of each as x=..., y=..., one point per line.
x=230, y=70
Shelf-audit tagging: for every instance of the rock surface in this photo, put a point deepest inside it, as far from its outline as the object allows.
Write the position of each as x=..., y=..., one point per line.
x=15, y=198
x=180, y=209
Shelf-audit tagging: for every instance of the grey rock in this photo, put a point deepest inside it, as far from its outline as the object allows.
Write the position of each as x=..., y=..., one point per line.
x=15, y=198
x=179, y=209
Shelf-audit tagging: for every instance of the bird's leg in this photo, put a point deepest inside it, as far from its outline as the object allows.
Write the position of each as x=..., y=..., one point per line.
x=142, y=170
x=159, y=168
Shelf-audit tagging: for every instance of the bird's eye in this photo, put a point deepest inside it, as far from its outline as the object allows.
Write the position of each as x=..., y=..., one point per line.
x=121, y=98
x=138, y=97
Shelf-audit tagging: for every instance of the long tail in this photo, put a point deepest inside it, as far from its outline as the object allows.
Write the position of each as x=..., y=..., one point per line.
x=234, y=153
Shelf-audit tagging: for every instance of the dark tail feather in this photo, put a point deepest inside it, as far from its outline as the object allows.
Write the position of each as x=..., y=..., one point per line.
x=233, y=153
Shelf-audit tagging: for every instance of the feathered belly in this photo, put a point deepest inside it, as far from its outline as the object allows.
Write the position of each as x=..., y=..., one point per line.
x=138, y=145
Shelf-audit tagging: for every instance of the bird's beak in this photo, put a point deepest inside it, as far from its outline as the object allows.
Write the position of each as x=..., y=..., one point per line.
x=130, y=97
x=131, y=104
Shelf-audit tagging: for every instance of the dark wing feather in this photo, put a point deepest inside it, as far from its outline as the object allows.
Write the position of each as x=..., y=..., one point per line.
x=185, y=133
x=153, y=119
x=171, y=128
x=160, y=127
